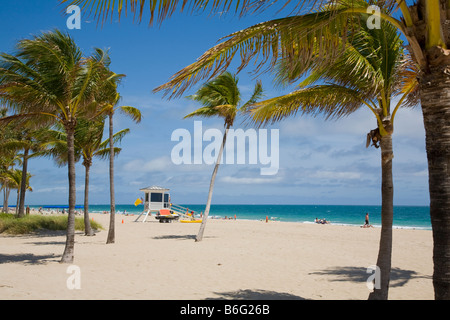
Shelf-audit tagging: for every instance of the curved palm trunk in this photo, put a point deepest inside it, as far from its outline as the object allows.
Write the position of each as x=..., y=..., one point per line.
x=211, y=187
x=68, y=254
x=387, y=214
x=111, y=232
x=23, y=184
x=435, y=100
x=87, y=224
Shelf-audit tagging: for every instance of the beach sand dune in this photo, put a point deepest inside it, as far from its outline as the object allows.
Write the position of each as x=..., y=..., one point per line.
x=236, y=260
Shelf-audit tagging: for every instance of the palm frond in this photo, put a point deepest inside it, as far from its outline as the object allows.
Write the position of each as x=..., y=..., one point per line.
x=134, y=113
x=220, y=97
x=303, y=38
x=117, y=138
x=205, y=112
x=104, y=154
x=256, y=95
x=333, y=101
x=161, y=10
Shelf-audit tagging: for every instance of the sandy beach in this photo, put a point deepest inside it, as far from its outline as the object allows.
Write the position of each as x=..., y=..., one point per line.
x=236, y=260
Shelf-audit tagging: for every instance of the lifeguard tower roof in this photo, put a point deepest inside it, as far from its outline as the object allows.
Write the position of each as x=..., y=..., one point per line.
x=154, y=188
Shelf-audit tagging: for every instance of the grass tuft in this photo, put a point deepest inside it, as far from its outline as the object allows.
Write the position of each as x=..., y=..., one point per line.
x=10, y=224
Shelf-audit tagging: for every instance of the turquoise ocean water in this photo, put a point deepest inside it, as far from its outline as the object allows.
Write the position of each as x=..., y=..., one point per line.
x=404, y=216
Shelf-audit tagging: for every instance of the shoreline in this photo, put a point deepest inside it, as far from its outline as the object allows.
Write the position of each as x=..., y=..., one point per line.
x=33, y=210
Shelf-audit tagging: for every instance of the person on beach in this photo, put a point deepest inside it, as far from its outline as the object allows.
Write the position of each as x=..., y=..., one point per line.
x=366, y=223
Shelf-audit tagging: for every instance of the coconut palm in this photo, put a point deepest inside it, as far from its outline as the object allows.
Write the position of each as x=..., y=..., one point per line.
x=6, y=167
x=31, y=141
x=88, y=145
x=424, y=25
x=372, y=72
x=136, y=116
x=221, y=98
x=48, y=78
x=15, y=180
x=8, y=159
x=88, y=138
x=108, y=99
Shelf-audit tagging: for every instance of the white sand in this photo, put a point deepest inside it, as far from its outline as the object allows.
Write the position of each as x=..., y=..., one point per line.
x=236, y=260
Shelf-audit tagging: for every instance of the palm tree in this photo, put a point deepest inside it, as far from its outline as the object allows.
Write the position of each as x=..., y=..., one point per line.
x=109, y=98
x=8, y=159
x=49, y=78
x=88, y=145
x=30, y=140
x=88, y=138
x=15, y=181
x=424, y=25
x=220, y=97
x=136, y=116
x=371, y=72
x=6, y=180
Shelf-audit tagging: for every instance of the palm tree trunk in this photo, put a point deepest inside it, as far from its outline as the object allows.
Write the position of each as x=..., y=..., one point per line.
x=6, y=192
x=211, y=187
x=17, y=203
x=387, y=214
x=435, y=100
x=111, y=232
x=87, y=224
x=23, y=184
x=68, y=254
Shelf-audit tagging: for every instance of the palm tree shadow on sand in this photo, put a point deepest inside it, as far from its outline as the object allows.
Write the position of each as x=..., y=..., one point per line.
x=399, y=277
x=27, y=258
x=178, y=237
x=249, y=294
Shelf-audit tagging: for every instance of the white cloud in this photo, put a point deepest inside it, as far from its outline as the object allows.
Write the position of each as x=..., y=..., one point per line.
x=250, y=180
x=335, y=175
x=155, y=165
x=51, y=190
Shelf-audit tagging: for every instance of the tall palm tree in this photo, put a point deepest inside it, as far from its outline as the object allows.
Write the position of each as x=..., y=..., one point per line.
x=372, y=72
x=88, y=138
x=221, y=98
x=8, y=159
x=136, y=116
x=108, y=98
x=424, y=25
x=49, y=78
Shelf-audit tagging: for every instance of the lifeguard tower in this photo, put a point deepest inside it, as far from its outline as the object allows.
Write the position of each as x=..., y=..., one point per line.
x=157, y=200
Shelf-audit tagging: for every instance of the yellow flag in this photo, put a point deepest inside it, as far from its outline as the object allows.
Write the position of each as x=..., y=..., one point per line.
x=138, y=202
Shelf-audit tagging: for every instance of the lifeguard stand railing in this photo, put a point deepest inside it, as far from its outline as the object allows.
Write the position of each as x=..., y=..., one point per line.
x=183, y=212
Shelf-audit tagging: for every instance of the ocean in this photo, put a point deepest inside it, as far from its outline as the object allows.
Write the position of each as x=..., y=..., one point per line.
x=413, y=217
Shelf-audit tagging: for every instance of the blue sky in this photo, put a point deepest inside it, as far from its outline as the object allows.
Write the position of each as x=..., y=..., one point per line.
x=321, y=162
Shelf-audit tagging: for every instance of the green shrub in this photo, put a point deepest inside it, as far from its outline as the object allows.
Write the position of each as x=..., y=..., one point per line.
x=10, y=224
